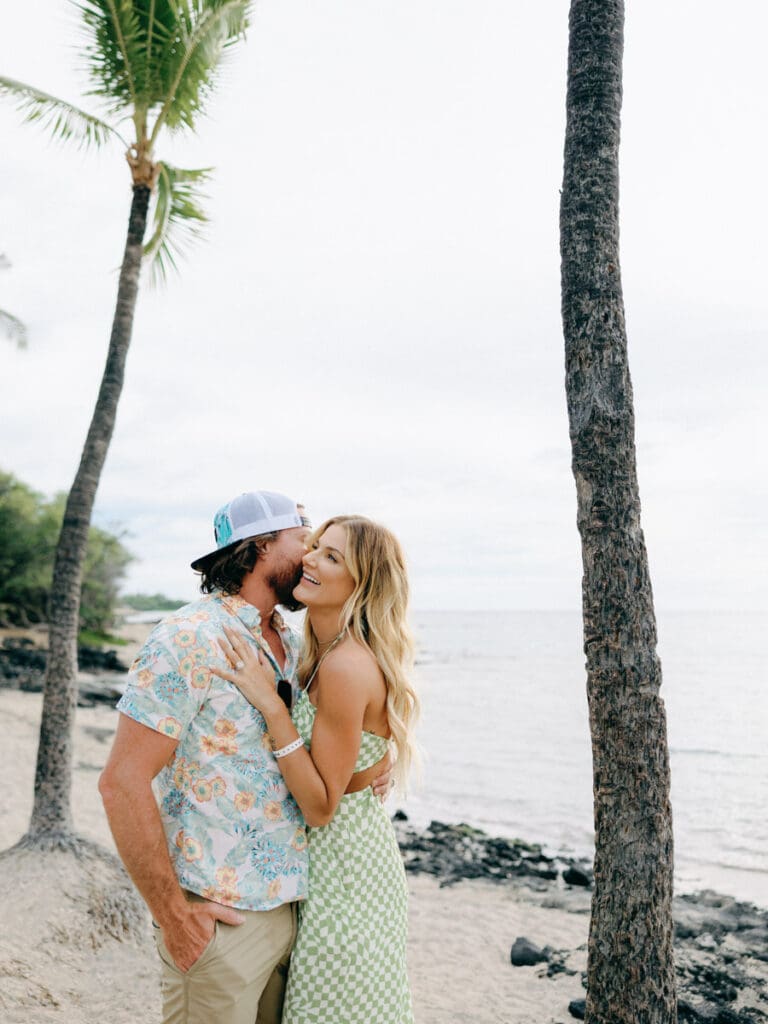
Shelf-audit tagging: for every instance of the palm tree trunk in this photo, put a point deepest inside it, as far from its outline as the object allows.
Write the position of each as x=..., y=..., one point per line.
x=51, y=823
x=631, y=977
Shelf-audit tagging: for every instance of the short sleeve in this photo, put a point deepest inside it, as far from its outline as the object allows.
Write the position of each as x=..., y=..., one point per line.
x=168, y=682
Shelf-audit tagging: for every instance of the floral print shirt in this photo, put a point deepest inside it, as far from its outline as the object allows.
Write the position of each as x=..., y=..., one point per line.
x=234, y=832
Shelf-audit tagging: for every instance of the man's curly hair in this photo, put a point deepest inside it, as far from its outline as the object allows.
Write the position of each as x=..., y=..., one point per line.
x=227, y=570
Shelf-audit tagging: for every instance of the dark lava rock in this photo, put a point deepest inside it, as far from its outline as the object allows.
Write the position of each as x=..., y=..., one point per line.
x=21, y=650
x=557, y=964
x=726, y=1016
x=577, y=1008
x=706, y=1013
x=685, y=929
x=574, y=875
x=90, y=696
x=526, y=953
x=21, y=664
x=23, y=667
x=90, y=658
x=686, y=1014
x=712, y=983
x=455, y=852
x=99, y=732
x=32, y=683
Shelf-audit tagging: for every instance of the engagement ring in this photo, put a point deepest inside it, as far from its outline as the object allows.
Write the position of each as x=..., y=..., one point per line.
x=239, y=665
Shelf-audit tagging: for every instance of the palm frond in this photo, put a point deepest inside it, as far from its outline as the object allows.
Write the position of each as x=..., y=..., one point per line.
x=160, y=24
x=14, y=328
x=114, y=55
x=63, y=120
x=178, y=217
x=206, y=28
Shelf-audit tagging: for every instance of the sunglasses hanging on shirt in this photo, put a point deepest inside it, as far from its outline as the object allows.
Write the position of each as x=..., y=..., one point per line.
x=285, y=692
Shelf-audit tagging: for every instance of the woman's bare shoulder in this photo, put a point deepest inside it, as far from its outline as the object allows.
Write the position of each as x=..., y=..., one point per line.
x=351, y=663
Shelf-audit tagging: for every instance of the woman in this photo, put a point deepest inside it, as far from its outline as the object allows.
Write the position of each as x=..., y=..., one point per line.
x=348, y=963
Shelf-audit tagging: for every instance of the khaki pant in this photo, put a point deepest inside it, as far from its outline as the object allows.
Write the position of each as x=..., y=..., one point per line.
x=240, y=976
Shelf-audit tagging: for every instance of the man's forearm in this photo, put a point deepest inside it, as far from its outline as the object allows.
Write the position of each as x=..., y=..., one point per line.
x=138, y=832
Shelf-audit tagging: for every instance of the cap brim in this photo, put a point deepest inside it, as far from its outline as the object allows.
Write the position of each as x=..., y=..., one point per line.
x=204, y=561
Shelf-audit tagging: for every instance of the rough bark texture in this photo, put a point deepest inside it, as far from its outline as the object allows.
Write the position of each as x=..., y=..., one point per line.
x=51, y=823
x=630, y=967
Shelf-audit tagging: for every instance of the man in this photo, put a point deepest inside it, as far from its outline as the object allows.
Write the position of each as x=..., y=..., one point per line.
x=221, y=862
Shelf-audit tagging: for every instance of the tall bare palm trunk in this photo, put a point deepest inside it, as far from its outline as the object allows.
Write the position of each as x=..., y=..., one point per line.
x=630, y=966
x=51, y=823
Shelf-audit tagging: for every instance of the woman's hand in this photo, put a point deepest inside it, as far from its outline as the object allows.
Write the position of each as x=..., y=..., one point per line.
x=384, y=782
x=251, y=672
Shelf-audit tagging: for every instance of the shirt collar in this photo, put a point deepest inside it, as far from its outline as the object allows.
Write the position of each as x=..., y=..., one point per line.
x=249, y=614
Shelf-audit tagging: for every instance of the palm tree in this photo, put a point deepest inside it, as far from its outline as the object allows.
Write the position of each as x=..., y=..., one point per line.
x=630, y=972
x=10, y=325
x=152, y=64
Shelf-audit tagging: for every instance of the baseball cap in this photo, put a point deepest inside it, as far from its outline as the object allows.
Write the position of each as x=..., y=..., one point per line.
x=250, y=515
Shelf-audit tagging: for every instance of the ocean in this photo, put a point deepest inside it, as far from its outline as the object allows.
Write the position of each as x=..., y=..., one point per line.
x=505, y=736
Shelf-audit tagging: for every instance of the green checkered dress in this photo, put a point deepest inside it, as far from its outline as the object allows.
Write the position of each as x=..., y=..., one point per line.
x=348, y=964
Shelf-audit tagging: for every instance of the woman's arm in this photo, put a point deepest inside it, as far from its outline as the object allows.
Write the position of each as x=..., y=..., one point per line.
x=317, y=781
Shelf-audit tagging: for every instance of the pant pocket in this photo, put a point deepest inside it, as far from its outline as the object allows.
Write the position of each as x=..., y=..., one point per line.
x=208, y=951
x=168, y=960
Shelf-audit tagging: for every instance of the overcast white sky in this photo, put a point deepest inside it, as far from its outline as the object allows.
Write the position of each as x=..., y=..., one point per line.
x=373, y=323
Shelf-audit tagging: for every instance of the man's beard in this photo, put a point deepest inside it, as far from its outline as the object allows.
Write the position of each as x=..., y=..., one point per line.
x=283, y=582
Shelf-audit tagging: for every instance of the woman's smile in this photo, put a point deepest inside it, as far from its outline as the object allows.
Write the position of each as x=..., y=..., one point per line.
x=323, y=566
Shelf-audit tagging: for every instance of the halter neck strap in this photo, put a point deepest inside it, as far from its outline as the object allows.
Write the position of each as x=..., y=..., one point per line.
x=322, y=657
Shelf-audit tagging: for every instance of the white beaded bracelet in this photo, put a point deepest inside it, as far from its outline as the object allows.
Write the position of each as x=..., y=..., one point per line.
x=285, y=751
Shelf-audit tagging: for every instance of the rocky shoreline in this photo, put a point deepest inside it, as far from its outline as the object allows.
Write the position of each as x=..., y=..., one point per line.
x=22, y=667
x=453, y=853
x=721, y=945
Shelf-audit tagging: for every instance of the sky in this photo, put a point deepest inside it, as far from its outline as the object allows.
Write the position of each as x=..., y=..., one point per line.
x=372, y=322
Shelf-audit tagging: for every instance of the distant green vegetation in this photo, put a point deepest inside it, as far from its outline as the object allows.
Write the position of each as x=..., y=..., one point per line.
x=89, y=638
x=152, y=602
x=29, y=529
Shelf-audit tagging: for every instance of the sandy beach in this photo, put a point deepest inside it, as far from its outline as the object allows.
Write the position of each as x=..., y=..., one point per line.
x=59, y=969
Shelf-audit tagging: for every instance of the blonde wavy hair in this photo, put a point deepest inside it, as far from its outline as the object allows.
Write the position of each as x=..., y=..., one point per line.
x=375, y=614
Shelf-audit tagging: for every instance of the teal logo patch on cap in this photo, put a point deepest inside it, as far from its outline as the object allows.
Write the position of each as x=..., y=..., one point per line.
x=222, y=527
